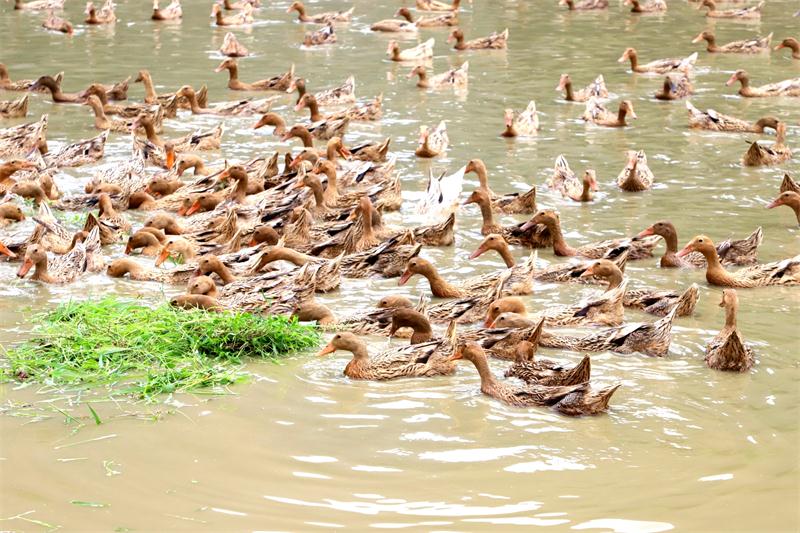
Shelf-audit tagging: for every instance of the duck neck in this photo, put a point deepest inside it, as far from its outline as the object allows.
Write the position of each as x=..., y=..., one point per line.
x=150, y=95
x=560, y=246
x=41, y=273
x=486, y=214
x=505, y=253
x=360, y=354
x=634, y=58
x=614, y=280
x=730, y=316
x=423, y=79
x=225, y=274
x=305, y=136
x=296, y=258
x=313, y=108
x=621, y=115
x=570, y=96
x=191, y=96
x=711, y=45
x=233, y=73
x=488, y=381
x=439, y=287
x=150, y=133
x=459, y=42
x=331, y=191
x=586, y=193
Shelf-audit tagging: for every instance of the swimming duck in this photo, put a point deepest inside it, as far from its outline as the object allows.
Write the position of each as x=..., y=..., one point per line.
x=597, y=113
x=749, y=46
x=7, y=84
x=675, y=87
x=54, y=86
x=636, y=176
x=231, y=47
x=322, y=36
x=753, y=12
x=639, y=248
x=103, y=122
x=9, y=168
x=566, y=182
x=572, y=400
x=368, y=151
x=654, y=6
x=323, y=130
x=240, y=108
x=394, y=26
x=243, y=17
x=417, y=360
x=727, y=350
x=595, y=89
x=432, y=143
x=436, y=5
x=378, y=320
x=57, y=24
x=341, y=95
x=105, y=15
x=151, y=97
x=131, y=110
x=495, y=41
x=172, y=12
x=420, y=52
x=39, y=5
x=496, y=242
x=319, y=18
x=760, y=154
x=366, y=112
x=276, y=83
x=441, y=288
x=10, y=213
x=711, y=120
x=512, y=203
x=21, y=140
x=790, y=199
x=59, y=269
x=792, y=44
x=786, y=272
x=584, y=5
x=108, y=214
x=196, y=301
x=456, y=78
x=314, y=312
x=445, y=19
x=525, y=124
x=730, y=252
x=532, y=370
x=14, y=108
x=149, y=240
x=790, y=87
x=119, y=268
x=659, y=66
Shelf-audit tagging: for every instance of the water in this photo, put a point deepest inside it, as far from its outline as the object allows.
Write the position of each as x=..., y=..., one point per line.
x=302, y=447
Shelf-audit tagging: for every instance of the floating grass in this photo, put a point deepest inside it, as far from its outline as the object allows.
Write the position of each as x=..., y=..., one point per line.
x=134, y=349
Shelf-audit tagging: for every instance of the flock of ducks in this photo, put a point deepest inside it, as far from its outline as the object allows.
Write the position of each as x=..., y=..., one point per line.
x=228, y=232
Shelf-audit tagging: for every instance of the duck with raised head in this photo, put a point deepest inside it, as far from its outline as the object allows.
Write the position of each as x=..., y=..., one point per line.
x=276, y=121
x=437, y=5
x=789, y=199
x=319, y=18
x=323, y=36
x=525, y=124
x=533, y=236
x=750, y=13
x=597, y=113
x=165, y=99
x=653, y=6
x=442, y=288
x=367, y=112
x=512, y=203
x=658, y=66
x=675, y=87
x=240, y=108
x=711, y=120
x=425, y=359
x=636, y=176
x=168, y=109
x=755, y=45
x=231, y=47
x=455, y=78
x=589, y=187
x=277, y=83
x=435, y=21
x=496, y=242
x=596, y=89
x=495, y=41
x=14, y=108
x=567, y=183
x=394, y=26
x=103, y=122
x=243, y=17
x=774, y=154
x=786, y=272
x=639, y=248
x=584, y=5
x=571, y=272
x=790, y=87
x=7, y=84
x=727, y=350
x=423, y=51
x=63, y=268
x=340, y=95
x=104, y=15
x=57, y=24
x=792, y=44
x=731, y=251
x=54, y=86
x=432, y=142
x=172, y=12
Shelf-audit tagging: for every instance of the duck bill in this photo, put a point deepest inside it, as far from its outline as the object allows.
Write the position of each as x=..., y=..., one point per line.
x=779, y=46
x=404, y=278
x=528, y=225
x=300, y=105
x=162, y=257
x=5, y=251
x=260, y=124
x=25, y=268
x=685, y=251
x=128, y=247
x=646, y=233
x=622, y=58
x=587, y=273
x=293, y=164
x=489, y=322
x=220, y=68
x=326, y=350
x=456, y=355
x=478, y=252
x=194, y=208
x=344, y=151
x=772, y=205
x=731, y=80
x=697, y=39
x=632, y=114
x=286, y=137
x=170, y=158
x=253, y=242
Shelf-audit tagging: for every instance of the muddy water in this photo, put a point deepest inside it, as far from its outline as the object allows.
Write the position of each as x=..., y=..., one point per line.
x=301, y=447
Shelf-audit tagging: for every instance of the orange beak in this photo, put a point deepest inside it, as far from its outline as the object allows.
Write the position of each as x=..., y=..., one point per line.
x=405, y=277
x=456, y=355
x=778, y=47
x=252, y=242
x=731, y=80
x=128, y=247
x=326, y=350
x=477, y=253
x=588, y=272
x=162, y=256
x=170, y=159
x=489, y=322
x=344, y=152
x=5, y=251
x=647, y=232
x=194, y=208
x=25, y=268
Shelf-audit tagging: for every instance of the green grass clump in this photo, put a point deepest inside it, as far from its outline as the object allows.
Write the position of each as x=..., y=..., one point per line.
x=134, y=349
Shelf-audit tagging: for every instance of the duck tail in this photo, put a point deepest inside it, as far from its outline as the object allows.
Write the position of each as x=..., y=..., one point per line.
x=579, y=373
x=687, y=301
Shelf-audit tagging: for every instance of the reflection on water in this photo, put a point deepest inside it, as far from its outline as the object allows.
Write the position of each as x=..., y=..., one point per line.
x=302, y=447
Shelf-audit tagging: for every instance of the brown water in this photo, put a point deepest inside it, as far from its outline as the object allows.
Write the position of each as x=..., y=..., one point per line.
x=302, y=447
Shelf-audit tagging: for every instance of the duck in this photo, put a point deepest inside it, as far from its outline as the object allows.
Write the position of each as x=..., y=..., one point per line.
x=231, y=47
x=639, y=248
x=730, y=252
x=532, y=370
x=422, y=51
x=416, y=360
x=387, y=260
x=368, y=112
x=54, y=86
x=675, y=88
x=103, y=122
x=172, y=12
x=566, y=182
x=10, y=213
x=323, y=130
x=125, y=266
x=341, y=95
x=108, y=214
x=596, y=89
x=378, y=320
x=9, y=168
x=525, y=124
x=752, y=12
x=589, y=187
x=533, y=236
x=105, y=15
x=57, y=24
x=319, y=18
x=727, y=350
x=517, y=281
x=79, y=153
x=60, y=269
x=584, y=5
x=790, y=199
x=432, y=142
x=276, y=83
x=23, y=139
x=7, y=84
x=597, y=113
x=322, y=36
x=636, y=176
x=711, y=120
x=394, y=26
x=496, y=242
x=755, y=45
x=243, y=17
x=760, y=154
x=786, y=272
x=445, y=19
x=659, y=66
x=512, y=203
x=264, y=234
x=314, y=312
x=39, y=5
x=570, y=400
x=654, y=6
x=168, y=109
x=275, y=120
x=437, y=5
x=654, y=302
x=329, y=271
x=240, y=108
x=495, y=41
x=456, y=78
x=790, y=87
x=151, y=97
x=149, y=240
x=30, y=190
x=14, y=108
x=189, y=302
x=792, y=44
x=375, y=152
